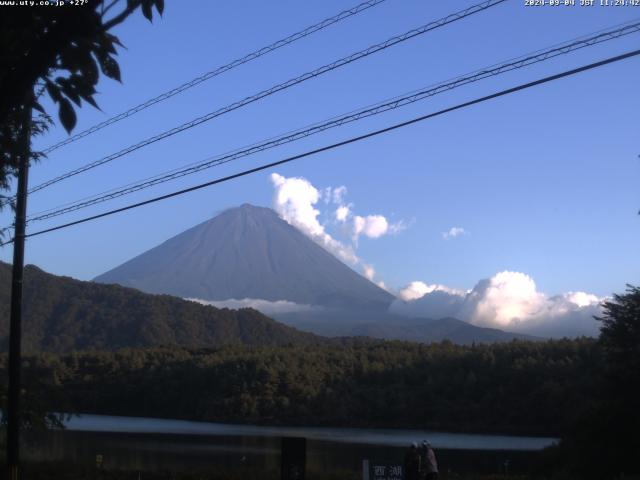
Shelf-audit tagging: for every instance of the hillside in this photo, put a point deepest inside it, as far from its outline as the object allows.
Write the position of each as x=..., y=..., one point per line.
x=428, y=331
x=386, y=325
x=62, y=314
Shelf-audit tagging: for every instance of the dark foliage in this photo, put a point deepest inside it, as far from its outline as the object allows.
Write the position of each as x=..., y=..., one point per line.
x=62, y=314
x=603, y=442
x=518, y=387
x=60, y=51
x=620, y=338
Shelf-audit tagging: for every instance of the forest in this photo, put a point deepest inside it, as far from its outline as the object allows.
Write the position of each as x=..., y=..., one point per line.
x=62, y=314
x=518, y=387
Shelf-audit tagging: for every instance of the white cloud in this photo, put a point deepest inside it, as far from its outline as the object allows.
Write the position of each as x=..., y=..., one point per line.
x=338, y=195
x=505, y=299
x=414, y=291
x=454, y=232
x=294, y=200
x=334, y=195
x=417, y=289
x=372, y=226
x=397, y=227
x=326, y=195
x=369, y=272
x=265, y=306
x=342, y=213
x=581, y=299
x=438, y=303
x=509, y=301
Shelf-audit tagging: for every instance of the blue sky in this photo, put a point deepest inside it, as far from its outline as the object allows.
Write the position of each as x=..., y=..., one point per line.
x=545, y=181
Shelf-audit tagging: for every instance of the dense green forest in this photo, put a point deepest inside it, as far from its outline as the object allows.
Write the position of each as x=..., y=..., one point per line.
x=62, y=314
x=518, y=387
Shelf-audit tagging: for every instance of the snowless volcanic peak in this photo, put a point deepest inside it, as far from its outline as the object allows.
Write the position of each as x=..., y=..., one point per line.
x=248, y=252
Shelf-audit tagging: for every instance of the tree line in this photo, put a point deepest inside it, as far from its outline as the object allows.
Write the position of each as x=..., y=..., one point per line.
x=518, y=387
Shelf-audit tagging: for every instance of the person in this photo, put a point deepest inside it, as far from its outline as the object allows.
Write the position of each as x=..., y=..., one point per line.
x=412, y=463
x=429, y=462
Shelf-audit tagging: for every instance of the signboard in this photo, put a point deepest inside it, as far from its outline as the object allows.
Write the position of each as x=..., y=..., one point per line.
x=381, y=470
x=294, y=457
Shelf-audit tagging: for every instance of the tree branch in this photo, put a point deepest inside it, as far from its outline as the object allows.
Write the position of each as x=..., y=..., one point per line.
x=108, y=7
x=121, y=17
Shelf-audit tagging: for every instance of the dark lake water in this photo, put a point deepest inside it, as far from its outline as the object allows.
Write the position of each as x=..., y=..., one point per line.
x=148, y=444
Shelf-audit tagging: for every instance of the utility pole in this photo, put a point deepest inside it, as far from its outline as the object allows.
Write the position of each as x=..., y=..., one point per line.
x=15, y=325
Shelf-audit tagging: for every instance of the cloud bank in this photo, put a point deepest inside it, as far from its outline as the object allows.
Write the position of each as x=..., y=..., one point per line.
x=508, y=301
x=265, y=306
x=416, y=290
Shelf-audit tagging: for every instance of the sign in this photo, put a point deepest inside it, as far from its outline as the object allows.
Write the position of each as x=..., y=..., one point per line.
x=381, y=470
x=294, y=458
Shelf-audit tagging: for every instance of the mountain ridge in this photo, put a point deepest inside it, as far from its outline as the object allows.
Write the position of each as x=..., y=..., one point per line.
x=390, y=326
x=62, y=314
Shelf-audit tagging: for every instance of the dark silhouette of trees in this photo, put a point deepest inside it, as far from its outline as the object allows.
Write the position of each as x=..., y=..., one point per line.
x=620, y=409
x=60, y=52
x=603, y=441
x=620, y=338
x=518, y=387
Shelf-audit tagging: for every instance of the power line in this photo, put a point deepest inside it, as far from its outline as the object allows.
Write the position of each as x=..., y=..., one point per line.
x=397, y=102
x=218, y=71
x=501, y=93
x=279, y=87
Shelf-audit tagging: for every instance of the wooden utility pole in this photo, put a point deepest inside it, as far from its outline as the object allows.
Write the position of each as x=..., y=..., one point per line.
x=15, y=325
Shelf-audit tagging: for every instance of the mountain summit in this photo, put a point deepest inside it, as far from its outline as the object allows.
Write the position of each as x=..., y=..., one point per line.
x=248, y=252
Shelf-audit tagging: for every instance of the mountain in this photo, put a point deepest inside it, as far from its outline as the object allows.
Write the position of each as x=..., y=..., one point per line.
x=396, y=327
x=429, y=331
x=62, y=314
x=248, y=252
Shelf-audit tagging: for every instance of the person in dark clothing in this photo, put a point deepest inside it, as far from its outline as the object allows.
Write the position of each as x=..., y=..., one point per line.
x=429, y=468
x=412, y=463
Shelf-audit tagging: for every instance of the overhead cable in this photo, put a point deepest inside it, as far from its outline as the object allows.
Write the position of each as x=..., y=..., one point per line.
x=397, y=102
x=375, y=133
x=277, y=88
x=218, y=71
